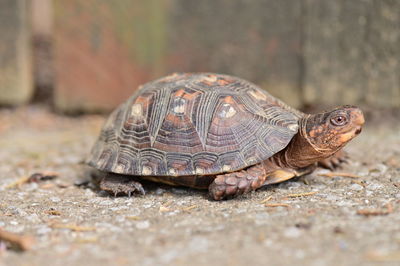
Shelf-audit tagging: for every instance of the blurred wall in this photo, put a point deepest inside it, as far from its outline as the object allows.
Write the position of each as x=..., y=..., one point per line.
x=15, y=53
x=308, y=52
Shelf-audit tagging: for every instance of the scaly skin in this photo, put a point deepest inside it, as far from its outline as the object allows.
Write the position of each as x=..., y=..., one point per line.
x=316, y=142
x=237, y=183
x=118, y=184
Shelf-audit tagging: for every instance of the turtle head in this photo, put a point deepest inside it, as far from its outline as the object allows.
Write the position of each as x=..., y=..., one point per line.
x=328, y=132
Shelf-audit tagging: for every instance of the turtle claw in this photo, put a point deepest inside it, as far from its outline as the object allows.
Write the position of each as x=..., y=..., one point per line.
x=335, y=161
x=121, y=185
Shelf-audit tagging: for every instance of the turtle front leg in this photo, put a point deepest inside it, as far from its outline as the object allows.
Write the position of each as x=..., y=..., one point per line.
x=233, y=184
x=119, y=184
x=335, y=161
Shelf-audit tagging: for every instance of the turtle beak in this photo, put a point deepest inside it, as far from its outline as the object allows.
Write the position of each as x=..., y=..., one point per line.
x=358, y=120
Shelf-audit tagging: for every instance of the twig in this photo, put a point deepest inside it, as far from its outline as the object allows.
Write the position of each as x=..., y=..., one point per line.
x=87, y=240
x=18, y=182
x=265, y=200
x=73, y=227
x=375, y=212
x=302, y=194
x=134, y=218
x=342, y=174
x=20, y=242
x=36, y=177
x=189, y=208
x=277, y=205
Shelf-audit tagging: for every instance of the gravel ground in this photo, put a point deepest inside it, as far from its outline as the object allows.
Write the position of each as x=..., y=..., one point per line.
x=81, y=226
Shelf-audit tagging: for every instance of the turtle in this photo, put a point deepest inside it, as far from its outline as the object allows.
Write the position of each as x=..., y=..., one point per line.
x=216, y=132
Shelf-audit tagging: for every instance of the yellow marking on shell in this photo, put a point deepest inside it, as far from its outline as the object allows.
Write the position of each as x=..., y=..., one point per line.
x=293, y=127
x=251, y=160
x=146, y=170
x=172, y=171
x=120, y=168
x=258, y=95
x=229, y=112
x=226, y=168
x=170, y=77
x=199, y=171
x=137, y=110
x=179, y=109
x=179, y=105
x=210, y=78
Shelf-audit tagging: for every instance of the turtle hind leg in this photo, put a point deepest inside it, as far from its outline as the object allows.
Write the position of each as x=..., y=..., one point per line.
x=284, y=174
x=119, y=184
x=335, y=161
x=233, y=184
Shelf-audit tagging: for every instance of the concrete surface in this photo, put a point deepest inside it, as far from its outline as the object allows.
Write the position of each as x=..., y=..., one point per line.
x=177, y=226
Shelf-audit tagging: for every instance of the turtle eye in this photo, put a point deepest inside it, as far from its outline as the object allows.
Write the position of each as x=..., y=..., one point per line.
x=339, y=120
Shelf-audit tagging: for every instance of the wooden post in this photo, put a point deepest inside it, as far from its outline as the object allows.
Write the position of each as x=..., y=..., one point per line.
x=256, y=40
x=15, y=60
x=104, y=50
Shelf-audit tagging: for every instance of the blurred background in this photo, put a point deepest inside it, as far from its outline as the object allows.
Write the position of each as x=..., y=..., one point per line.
x=88, y=56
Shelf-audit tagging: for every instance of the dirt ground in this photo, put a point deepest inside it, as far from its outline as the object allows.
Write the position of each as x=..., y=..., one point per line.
x=177, y=226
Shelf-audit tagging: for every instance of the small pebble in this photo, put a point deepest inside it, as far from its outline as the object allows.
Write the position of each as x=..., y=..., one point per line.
x=160, y=191
x=356, y=187
x=292, y=232
x=374, y=186
x=55, y=199
x=143, y=224
x=43, y=230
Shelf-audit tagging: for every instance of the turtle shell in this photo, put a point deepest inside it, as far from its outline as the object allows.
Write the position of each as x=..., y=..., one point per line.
x=193, y=124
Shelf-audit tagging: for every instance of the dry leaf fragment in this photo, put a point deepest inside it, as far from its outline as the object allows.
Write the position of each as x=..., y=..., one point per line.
x=376, y=212
x=73, y=227
x=189, y=208
x=36, y=177
x=342, y=174
x=53, y=212
x=277, y=205
x=302, y=194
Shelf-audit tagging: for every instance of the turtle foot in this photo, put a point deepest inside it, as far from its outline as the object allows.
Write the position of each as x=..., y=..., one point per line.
x=119, y=184
x=335, y=161
x=233, y=184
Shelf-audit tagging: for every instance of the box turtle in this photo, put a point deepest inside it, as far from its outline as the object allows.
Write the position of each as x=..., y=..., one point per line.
x=215, y=132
